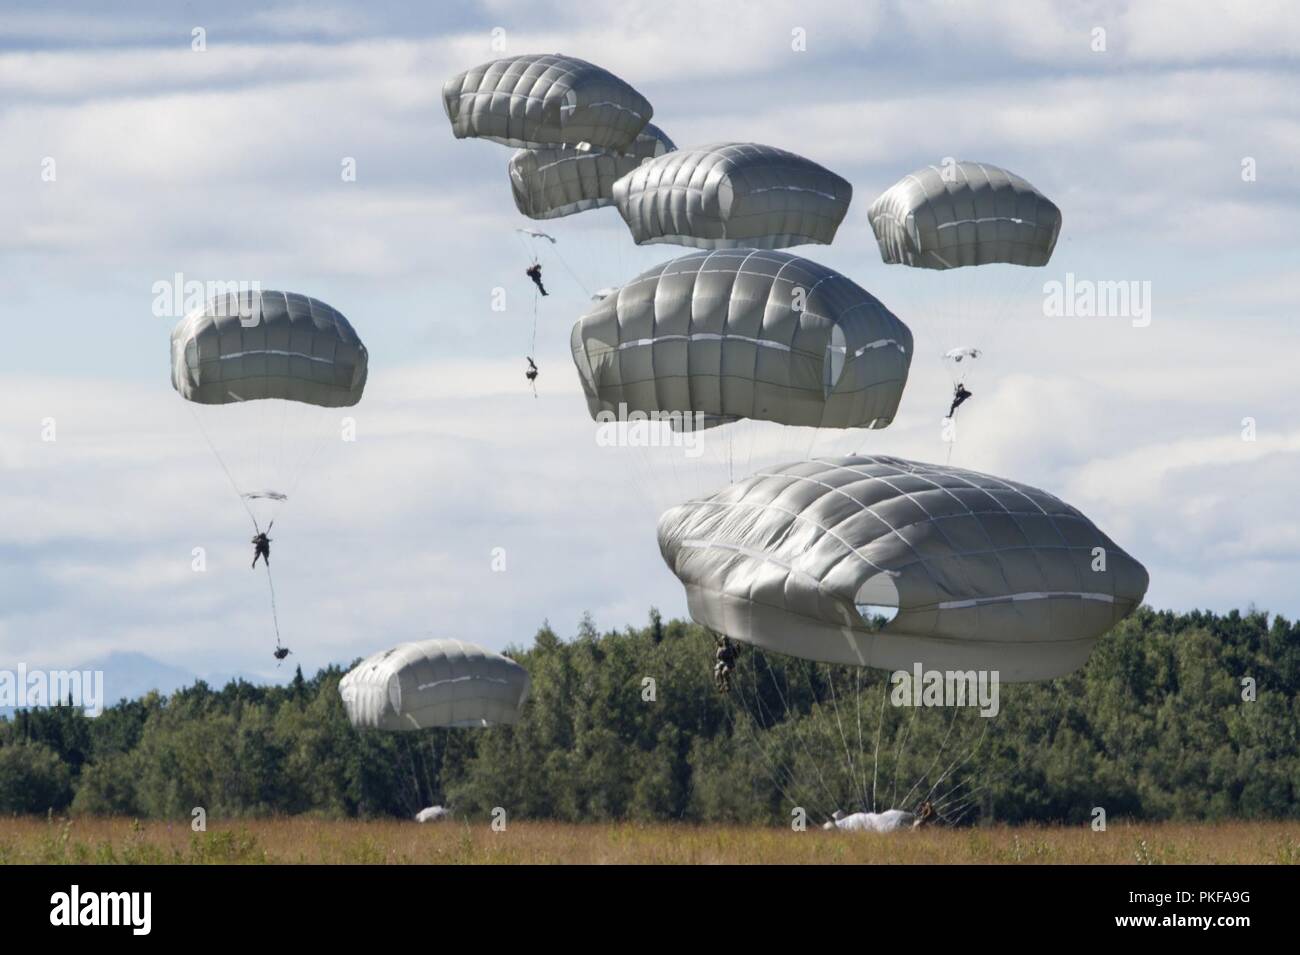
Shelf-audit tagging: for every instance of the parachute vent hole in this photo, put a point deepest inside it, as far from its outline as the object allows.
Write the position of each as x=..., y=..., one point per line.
x=877, y=601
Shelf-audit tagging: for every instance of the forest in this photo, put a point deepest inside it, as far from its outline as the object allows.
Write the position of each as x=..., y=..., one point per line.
x=1188, y=717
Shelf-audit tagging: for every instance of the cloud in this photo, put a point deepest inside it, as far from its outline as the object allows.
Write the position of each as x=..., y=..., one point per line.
x=227, y=165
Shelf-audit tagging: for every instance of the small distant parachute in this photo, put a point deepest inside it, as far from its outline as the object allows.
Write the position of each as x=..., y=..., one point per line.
x=744, y=334
x=732, y=195
x=541, y=100
x=434, y=683
x=964, y=214
x=534, y=234
x=960, y=361
x=958, y=355
x=559, y=181
x=981, y=573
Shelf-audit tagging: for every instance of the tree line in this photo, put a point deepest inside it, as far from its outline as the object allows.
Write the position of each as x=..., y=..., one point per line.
x=1175, y=716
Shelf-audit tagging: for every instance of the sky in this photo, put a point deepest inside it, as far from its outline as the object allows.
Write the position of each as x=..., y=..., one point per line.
x=1168, y=133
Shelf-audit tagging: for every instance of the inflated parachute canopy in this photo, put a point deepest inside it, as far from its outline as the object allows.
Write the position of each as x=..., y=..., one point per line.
x=251, y=345
x=434, y=683
x=962, y=214
x=560, y=181
x=985, y=573
x=545, y=100
x=744, y=334
x=732, y=195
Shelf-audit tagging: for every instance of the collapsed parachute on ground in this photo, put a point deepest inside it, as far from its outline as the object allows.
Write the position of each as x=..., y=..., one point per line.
x=964, y=214
x=985, y=573
x=263, y=344
x=559, y=181
x=744, y=334
x=539, y=100
x=434, y=683
x=732, y=195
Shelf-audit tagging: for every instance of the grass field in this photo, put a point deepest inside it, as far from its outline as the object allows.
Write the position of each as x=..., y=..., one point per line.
x=300, y=840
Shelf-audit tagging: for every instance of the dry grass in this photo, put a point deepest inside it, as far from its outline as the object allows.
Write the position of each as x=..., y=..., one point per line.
x=304, y=840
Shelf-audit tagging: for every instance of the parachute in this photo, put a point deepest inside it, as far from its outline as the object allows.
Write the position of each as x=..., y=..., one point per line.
x=960, y=361
x=538, y=100
x=434, y=683
x=744, y=334
x=559, y=181
x=535, y=234
x=260, y=369
x=964, y=214
x=255, y=345
x=983, y=573
x=732, y=195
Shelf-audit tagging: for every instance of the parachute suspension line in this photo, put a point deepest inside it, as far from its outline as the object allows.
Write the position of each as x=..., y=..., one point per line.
x=898, y=754
x=857, y=707
x=230, y=477
x=821, y=778
x=532, y=348
x=275, y=617
x=934, y=762
x=315, y=444
x=875, y=759
x=955, y=765
x=848, y=755
x=581, y=284
x=773, y=771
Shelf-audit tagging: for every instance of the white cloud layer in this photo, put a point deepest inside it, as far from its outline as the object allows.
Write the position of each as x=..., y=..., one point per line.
x=227, y=164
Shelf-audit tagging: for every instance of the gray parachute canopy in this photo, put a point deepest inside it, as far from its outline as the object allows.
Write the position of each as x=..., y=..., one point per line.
x=744, y=334
x=559, y=181
x=545, y=100
x=434, y=683
x=962, y=214
x=732, y=195
x=263, y=344
x=985, y=573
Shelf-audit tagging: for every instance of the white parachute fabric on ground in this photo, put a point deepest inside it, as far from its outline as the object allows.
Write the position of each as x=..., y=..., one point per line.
x=733, y=195
x=987, y=574
x=433, y=814
x=964, y=214
x=537, y=100
x=434, y=683
x=560, y=181
x=891, y=820
x=744, y=334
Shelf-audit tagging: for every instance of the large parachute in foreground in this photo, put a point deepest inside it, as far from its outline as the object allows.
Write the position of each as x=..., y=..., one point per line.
x=744, y=334
x=963, y=214
x=434, y=683
x=985, y=573
x=561, y=180
x=263, y=344
x=732, y=195
x=539, y=100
